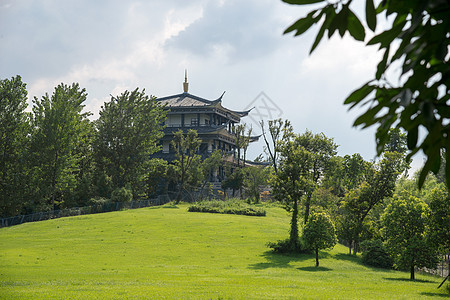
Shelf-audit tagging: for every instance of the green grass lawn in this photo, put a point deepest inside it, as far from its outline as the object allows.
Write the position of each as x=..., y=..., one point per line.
x=167, y=252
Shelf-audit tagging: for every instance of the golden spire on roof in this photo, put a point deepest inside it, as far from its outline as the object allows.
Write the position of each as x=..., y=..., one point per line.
x=185, y=83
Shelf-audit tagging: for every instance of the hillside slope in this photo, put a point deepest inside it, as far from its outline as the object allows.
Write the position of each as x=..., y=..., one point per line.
x=167, y=252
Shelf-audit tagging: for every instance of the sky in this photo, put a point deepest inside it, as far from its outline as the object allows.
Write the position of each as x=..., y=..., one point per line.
x=236, y=46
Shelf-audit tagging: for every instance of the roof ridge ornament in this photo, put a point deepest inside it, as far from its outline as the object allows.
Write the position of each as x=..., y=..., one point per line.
x=185, y=83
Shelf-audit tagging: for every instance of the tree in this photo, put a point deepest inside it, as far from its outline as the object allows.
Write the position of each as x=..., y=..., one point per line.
x=242, y=140
x=319, y=233
x=156, y=176
x=291, y=182
x=254, y=178
x=417, y=41
x=277, y=130
x=59, y=125
x=360, y=201
x=188, y=161
x=439, y=220
x=321, y=149
x=406, y=233
x=209, y=168
x=127, y=133
x=14, y=129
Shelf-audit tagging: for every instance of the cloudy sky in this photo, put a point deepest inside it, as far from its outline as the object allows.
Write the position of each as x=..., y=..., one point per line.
x=235, y=46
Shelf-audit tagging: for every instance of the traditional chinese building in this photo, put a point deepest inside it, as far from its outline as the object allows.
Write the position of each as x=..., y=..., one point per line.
x=213, y=122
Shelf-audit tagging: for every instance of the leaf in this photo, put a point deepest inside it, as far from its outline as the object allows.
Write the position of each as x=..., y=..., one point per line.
x=342, y=22
x=386, y=37
x=355, y=27
x=368, y=118
x=358, y=95
x=371, y=15
x=412, y=137
x=382, y=64
x=318, y=37
x=302, y=2
x=302, y=25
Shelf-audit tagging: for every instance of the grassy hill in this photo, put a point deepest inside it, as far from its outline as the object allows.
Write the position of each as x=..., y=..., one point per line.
x=167, y=252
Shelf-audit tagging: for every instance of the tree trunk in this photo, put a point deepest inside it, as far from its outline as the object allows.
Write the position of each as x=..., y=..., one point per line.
x=412, y=272
x=317, y=257
x=307, y=204
x=293, y=238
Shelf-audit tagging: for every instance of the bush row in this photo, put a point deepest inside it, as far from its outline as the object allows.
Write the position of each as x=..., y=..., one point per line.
x=232, y=206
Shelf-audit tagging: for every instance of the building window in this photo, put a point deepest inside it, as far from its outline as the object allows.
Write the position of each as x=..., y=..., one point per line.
x=194, y=122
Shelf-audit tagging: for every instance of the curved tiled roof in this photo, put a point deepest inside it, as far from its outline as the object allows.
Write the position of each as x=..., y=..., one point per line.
x=187, y=100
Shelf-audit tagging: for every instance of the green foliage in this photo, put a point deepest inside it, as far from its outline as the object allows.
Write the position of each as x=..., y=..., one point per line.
x=156, y=176
x=255, y=178
x=127, y=132
x=319, y=233
x=121, y=195
x=406, y=233
x=188, y=162
x=288, y=247
x=14, y=128
x=230, y=206
x=374, y=254
x=279, y=130
x=418, y=34
x=360, y=201
x=59, y=127
x=439, y=219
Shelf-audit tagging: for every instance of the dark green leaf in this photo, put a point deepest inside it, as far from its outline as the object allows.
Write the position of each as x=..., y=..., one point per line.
x=371, y=15
x=343, y=20
x=358, y=95
x=355, y=27
x=318, y=37
x=368, y=118
x=412, y=137
x=382, y=64
x=386, y=37
x=302, y=25
x=302, y=2
x=424, y=172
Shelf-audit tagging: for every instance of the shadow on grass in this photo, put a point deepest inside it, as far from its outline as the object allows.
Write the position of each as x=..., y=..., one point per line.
x=348, y=257
x=275, y=260
x=435, y=295
x=408, y=280
x=315, y=269
x=170, y=206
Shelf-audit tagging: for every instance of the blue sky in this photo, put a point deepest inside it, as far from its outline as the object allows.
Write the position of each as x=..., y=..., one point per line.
x=228, y=45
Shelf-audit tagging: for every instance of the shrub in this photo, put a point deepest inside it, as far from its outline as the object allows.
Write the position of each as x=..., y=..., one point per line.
x=232, y=206
x=286, y=246
x=99, y=201
x=375, y=255
x=121, y=195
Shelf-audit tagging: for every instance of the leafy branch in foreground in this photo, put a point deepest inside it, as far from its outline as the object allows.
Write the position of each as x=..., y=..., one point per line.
x=418, y=40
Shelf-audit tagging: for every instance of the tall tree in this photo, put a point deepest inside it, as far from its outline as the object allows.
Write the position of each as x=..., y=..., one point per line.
x=406, y=233
x=321, y=149
x=188, y=161
x=277, y=131
x=360, y=201
x=127, y=133
x=14, y=129
x=417, y=40
x=59, y=124
x=291, y=182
